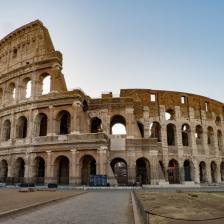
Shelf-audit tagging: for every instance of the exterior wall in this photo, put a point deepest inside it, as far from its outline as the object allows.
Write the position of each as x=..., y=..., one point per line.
x=28, y=54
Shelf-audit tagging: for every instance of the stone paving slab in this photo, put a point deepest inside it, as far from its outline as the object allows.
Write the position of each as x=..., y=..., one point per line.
x=12, y=199
x=91, y=208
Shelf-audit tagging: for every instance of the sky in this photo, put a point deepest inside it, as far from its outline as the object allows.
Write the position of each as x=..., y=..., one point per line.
x=108, y=45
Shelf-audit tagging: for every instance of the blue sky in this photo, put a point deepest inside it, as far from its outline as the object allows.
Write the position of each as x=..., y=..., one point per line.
x=112, y=44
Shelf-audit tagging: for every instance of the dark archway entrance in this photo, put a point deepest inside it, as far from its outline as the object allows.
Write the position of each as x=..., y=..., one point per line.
x=120, y=170
x=173, y=172
x=40, y=170
x=202, y=171
x=214, y=172
x=143, y=171
x=187, y=171
x=20, y=170
x=3, y=171
x=62, y=164
x=88, y=168
x=222, y=171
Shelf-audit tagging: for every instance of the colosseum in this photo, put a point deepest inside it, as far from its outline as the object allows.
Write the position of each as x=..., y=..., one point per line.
x=51, y=135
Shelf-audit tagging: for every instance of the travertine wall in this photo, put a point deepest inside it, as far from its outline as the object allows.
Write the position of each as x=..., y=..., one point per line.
x=65, y=141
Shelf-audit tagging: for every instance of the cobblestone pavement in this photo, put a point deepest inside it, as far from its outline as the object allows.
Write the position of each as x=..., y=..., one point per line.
x=106, y=207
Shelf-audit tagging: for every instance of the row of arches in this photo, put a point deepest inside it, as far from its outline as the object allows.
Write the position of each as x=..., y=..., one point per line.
x=24, y=91
x=119, y=167
x=41, y=125
x=118, y=126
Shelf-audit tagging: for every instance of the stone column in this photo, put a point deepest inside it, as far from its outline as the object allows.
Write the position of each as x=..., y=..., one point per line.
x=129, y=119
x=102, y=160
x=131, y=167
x=73, y=179
x=51, y=122
x=196, y=172
x=218, y=170
x=49, y=174
x=208, y=172
x=77, y=110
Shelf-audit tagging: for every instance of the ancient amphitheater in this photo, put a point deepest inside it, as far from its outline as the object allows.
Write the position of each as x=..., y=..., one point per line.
x=64, y=137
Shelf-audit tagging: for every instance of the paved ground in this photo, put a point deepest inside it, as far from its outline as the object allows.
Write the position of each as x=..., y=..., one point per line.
x=13, y=199
x=190, y=206
x=106, y=207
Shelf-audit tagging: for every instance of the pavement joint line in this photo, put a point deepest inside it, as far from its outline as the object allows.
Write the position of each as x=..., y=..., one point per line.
x=35, y=205
x=136, y=213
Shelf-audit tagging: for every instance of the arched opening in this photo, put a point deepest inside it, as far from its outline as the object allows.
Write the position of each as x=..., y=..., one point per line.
x=85, y=106
x=171, y=132
x=210, y=135
x=1, y=96
x=220, y=140
x=64, y=120
x=199, y=135
x=155, y=131
x=187, y=170
x=96, y=125
x=214, y=172
x=6, y=132
x=202, y=171
x=62, y=168
x=28, y=89
x=170, y=114
x=19, y=170
x=40, y=170
x=3, y=171
x=185, y=135
x=222, y=171
x=120, y=170
x=46, y=84
x=11, y=92
x=21, y=127
x=141, y=128
x=88, y=168
x=143, y=171
x=218, y=120
x=41, y=124
x=173, y=172
x=118, y=125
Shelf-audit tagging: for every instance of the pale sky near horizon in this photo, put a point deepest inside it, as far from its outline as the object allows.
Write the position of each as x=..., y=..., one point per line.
x=112, y=44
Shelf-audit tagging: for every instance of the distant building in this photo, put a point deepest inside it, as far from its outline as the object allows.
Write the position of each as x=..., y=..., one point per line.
x=61, y=136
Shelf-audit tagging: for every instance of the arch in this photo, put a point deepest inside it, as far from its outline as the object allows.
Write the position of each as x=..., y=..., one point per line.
x=6, y=132
x=171, y=134
x=45, y=80
x=21, y=127
x=143, y=171
x=3, y=171
x=222, y=170
x=1, y=96
x=141, y=128
x=170, y=114
x=155, y=131
x=214, y=172
x=11, y=91
x=26, y=88
x=173, y=172
x=185, y=134
x=64, y=122
x=85, y=106
x=19, y=170
x=96, y=125
x=41, y=126
x=118, y=125
x=210, y=136
x=62, y=170
x=220, y=139
x=199, y=135
x=202, y=172
x=187, y=171
x=88, y=168
x=218, y=120
x=40, y=170
x=120, y=170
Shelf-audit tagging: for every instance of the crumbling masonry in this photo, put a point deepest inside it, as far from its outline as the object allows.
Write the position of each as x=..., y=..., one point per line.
x=61, y=136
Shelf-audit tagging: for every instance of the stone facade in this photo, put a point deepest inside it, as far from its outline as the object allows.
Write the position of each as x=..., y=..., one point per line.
x=62, y=136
